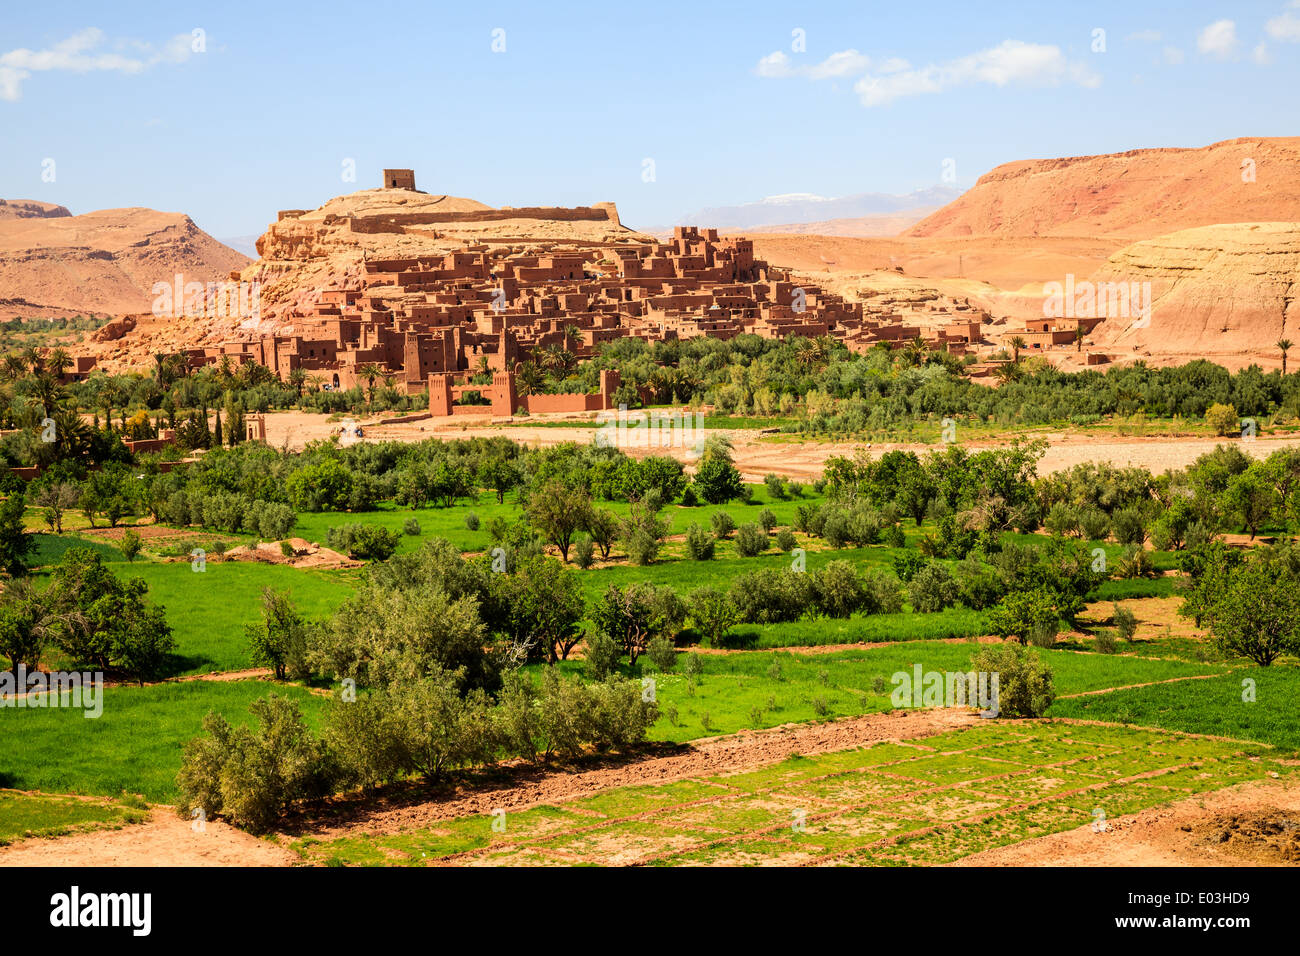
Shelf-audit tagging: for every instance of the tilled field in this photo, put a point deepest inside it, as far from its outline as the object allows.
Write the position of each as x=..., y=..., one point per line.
x=921, y=801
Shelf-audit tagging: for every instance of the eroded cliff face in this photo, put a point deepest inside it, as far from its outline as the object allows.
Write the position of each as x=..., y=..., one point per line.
x=103, y=262
x=1214, y=289
x=1136, y=194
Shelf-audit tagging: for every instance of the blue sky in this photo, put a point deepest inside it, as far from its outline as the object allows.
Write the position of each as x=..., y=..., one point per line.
x=727, y=99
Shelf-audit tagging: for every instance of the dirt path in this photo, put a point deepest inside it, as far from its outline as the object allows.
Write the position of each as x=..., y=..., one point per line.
x=1186, y=833
x=164, y=840
x=1152, y=683
x=757, y=455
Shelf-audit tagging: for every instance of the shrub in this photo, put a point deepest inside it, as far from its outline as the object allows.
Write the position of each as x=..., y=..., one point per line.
x=411, y=526
x=689, y=498
x=806, y=516
x=251, y=776
x=1025, y=687
x=884, y=592
x=835, y=527
x=1104, y=642
x=1094, y=523
x=1022, y=613
x=895, y=537
x=751, y=540
x=1129, y=525
x=767, y=520
x=105, y=622
x=1062, y=520
x=636, y=614
x=130, y=545
x=932, y=589
x=662, y=653
x=839, y=590
x=785, y=540
x=769, y=595
x=722, y=523
x=1222, y=419
x=363, y=542
x=700, y=544
x=775, y=486
x=713, y=613
x=907, y=564
x=287, y=550
x=1125, y=622
x=602, y=656
x=602, y=525
x=584, y=551
x=642, y=547
x=1135, y=562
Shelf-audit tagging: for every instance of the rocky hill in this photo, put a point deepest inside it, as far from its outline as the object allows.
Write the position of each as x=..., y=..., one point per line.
x=1136, y=194
x=99, y=263
x=1215, y=290
x=308, y=251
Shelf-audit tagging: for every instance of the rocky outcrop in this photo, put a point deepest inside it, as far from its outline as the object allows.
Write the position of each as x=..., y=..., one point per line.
x=1136, y=194
x=31, y=209
x=308, y=251
x=1214, y=290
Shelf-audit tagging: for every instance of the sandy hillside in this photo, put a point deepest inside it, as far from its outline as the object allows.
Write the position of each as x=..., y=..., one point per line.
x=1136, y=194
x=103, y=262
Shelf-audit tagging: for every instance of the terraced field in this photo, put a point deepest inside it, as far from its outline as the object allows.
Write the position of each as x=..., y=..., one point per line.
x=926, y=801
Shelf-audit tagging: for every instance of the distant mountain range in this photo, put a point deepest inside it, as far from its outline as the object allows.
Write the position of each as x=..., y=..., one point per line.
x=795, y=208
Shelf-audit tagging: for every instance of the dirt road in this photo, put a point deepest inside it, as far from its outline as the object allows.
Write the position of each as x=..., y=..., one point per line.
x=757, y=454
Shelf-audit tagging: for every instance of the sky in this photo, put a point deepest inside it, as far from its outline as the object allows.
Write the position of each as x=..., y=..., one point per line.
x=229, y=112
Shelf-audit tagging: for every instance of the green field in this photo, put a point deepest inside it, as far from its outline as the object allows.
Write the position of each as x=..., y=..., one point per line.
x=27, y=815
x=1214, y=706
x=134, y=747
x=929, y=800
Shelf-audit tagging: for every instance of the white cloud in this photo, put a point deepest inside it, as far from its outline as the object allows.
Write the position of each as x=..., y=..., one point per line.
x=1173, y=56
x=836, y=66
x=1219, y=39
x=1010, y=62
x=1144, y=36
x=1261, y=56
x=1286, y=25
x=82, y=53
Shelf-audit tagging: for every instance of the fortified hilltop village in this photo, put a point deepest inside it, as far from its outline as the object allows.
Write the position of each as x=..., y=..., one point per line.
x=479, y=292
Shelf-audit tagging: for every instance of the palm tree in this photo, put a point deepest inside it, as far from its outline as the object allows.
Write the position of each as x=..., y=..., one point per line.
x=1007, y=373
x=15, y=366
x=1078, y=338
x=1284, y=346
x=314, y=382
x=529, y=380
x=1017, y=343
x=297, y=378
x=58, y=361
x=805, y=351
x=370, y=371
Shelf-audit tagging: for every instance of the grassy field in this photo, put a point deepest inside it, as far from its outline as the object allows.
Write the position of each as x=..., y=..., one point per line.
x=1220, y=705
x=134, y=747
x=25, y=815
x=926, y=801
